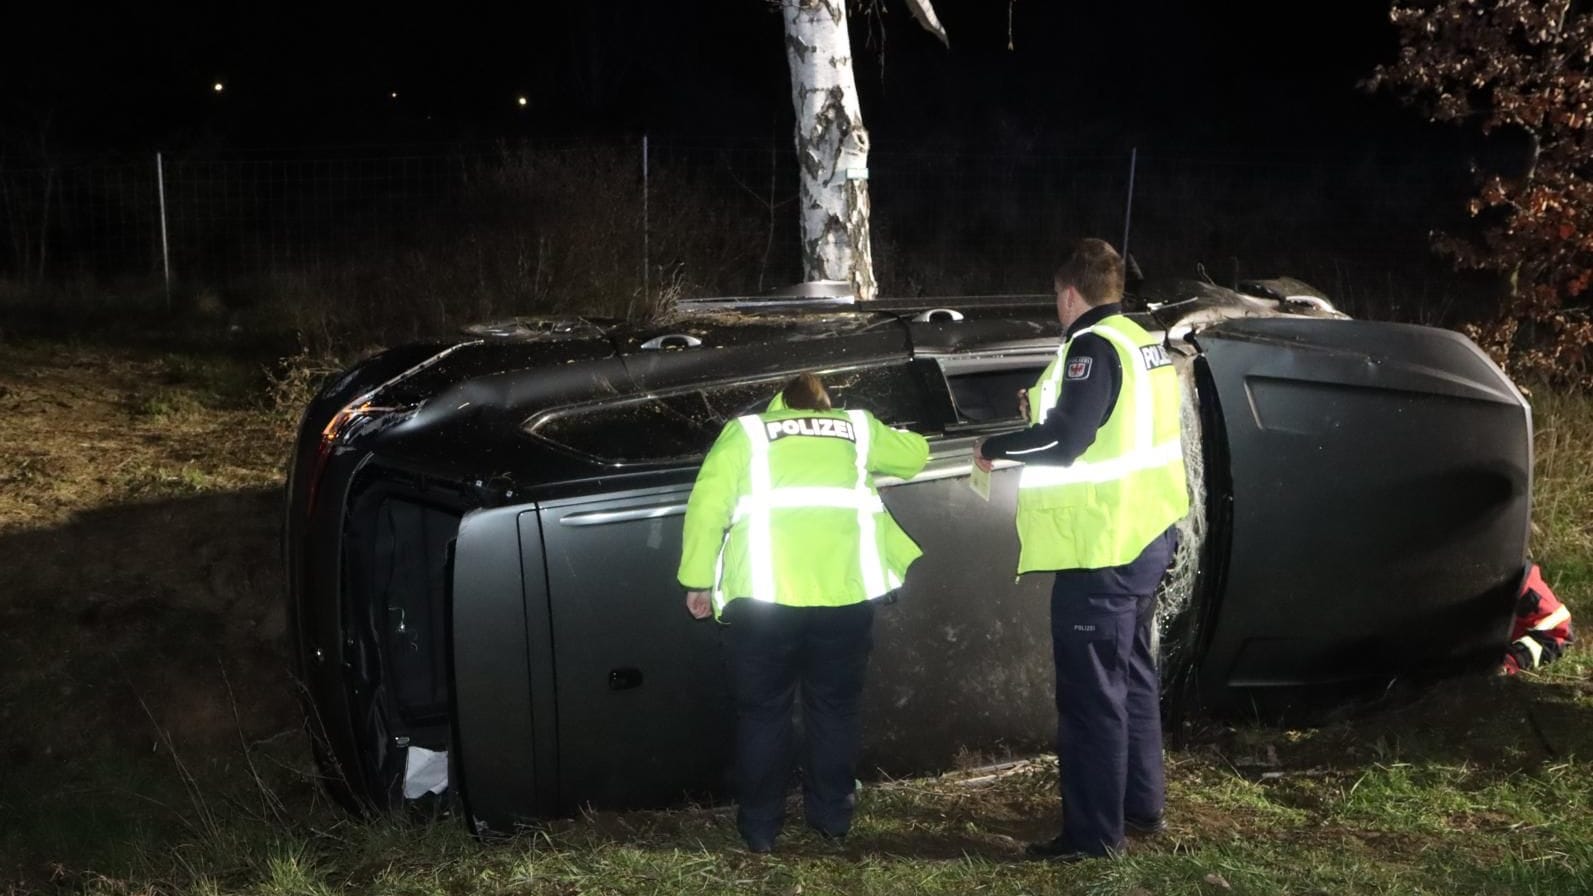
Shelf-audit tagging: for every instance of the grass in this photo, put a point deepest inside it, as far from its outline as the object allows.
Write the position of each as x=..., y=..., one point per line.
x=1444, y=835
x=151, y=744
x=1562, y=512
x=88, y=428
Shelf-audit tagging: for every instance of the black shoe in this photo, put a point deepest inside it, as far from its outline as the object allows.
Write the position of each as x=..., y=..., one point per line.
x=1148, y=828
x=1055, y=850
x=759, y=835
x=836, y=837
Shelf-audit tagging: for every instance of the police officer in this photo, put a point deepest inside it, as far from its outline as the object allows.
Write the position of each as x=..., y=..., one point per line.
x=1099, y=495
x=786, y=542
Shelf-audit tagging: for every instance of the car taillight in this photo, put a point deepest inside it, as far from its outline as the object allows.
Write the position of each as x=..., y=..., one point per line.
x=356, y=417
x=361, y=417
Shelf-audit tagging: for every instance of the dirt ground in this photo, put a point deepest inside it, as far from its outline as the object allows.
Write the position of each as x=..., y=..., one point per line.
x=142, y=621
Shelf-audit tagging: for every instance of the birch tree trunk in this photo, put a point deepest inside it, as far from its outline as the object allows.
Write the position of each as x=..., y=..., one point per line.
x=831, y=145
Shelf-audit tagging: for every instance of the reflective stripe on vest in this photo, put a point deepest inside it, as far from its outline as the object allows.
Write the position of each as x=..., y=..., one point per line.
x=1048, y=389
x=807, y=496
x=1046, y=475
x=868, y=537
x=756, y=508
x=1552, y=620
x=760, y=536
x=1146, y=453
x=1533, y=648
x=1128, y=485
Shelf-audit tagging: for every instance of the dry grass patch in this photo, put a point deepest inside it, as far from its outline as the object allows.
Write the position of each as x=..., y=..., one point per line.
x=90, y=428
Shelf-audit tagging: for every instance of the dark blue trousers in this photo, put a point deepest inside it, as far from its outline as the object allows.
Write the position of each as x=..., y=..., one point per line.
x=772, y=650
x=1109, y=727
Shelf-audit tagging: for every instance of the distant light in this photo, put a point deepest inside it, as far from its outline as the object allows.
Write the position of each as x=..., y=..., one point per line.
x=219, y=87
x=523, y=101
x=394, y=94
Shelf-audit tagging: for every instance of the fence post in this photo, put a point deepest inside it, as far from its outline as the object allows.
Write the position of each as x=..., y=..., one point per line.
x=646, y=253
x=165, y=247
x=1128, y=210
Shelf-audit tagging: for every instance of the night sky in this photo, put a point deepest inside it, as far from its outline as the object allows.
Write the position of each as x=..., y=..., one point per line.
x=1218, y=76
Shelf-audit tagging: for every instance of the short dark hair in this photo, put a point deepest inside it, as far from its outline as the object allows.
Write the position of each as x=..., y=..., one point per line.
x=806, y=393
x=1095, y=269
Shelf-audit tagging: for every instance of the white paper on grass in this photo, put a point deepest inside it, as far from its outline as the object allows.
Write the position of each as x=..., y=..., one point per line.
x=425, y=771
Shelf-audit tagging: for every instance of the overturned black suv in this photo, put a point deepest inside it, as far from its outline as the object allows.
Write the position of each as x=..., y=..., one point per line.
x=482, y=534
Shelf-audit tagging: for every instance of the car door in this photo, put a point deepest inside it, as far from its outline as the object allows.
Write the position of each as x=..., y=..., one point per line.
x=643, y=706
x=962, y=661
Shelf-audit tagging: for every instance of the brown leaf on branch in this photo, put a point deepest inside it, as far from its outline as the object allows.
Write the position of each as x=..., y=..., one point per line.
x=1516, y=68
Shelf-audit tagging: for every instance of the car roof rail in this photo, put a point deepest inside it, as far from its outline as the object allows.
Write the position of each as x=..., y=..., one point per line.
x=811, y=294
x=961, y=304
x=838, y=295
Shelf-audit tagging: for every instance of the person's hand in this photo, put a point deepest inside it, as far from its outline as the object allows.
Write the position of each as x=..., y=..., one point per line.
x=979, y=458
x=698, y=604
x=1023, y=403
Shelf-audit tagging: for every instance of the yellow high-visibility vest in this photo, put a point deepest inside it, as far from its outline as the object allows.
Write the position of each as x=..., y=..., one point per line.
x=785, y=511
x=1103, y=509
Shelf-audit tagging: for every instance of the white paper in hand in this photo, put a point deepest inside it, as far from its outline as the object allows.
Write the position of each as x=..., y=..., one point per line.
x=979, y=481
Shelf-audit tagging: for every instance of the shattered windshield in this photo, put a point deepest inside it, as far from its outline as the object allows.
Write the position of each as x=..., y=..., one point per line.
x=680, y=426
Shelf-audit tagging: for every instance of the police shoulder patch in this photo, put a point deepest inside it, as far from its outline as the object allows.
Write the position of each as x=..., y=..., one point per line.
x=1079, y=368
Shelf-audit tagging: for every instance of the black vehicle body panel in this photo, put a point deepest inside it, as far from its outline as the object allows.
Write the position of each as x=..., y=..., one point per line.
x=1378, y=508
x=503, y=690
x=482, y=536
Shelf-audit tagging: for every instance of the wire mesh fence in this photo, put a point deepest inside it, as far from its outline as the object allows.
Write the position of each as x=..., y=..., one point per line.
x=539, y=226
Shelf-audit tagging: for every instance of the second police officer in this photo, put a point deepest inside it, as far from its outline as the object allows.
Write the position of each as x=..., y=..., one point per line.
x=1099, y=496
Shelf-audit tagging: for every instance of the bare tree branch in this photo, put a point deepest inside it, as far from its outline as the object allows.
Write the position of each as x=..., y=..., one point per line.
x=924, y=12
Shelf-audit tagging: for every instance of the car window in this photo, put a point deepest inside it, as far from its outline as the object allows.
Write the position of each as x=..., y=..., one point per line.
x=652, y=430
x=985, y=389
x=897, y=395
x=680, y=426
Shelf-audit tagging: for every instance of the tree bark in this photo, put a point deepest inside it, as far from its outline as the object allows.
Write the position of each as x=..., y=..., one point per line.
x=831, y=145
